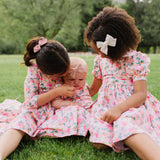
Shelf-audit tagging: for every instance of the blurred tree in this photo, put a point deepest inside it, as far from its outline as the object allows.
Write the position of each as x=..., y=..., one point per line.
x=89, y=9
x=151, y=25
x=39, y=17
x=147, y=19
x=85, y=11
x=136, y=10
x=9, y=33
x=63, y=20
x=69, y=33
x=28, y=18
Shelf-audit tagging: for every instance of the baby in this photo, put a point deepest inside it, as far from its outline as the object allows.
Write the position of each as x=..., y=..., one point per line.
x=75, y=77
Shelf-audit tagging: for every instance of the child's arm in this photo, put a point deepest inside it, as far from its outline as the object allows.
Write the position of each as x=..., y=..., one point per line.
x=58, y=103
x=135, y=100
x=31, y=90
x=96, y=84
x=63, y=90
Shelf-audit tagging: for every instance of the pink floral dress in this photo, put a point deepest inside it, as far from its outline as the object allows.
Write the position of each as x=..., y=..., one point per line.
x=42, y=121
x=116, y=87
x=84, y=101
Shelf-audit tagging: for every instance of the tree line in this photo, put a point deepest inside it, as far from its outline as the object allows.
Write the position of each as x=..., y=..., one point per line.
x=66, y=20
x=147, y=18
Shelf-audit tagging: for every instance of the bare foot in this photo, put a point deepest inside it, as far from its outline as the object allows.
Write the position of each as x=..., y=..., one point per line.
x=100, y=145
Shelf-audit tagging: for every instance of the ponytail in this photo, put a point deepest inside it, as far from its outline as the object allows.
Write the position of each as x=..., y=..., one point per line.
x=50, y=56
x=29, y=54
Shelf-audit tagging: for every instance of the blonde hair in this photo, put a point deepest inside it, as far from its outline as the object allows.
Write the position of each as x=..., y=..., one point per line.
x=77, y=65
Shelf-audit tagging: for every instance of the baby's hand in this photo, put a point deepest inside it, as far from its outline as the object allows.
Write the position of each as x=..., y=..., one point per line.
x=57, y=103
x=66, y=90
x=111, y=115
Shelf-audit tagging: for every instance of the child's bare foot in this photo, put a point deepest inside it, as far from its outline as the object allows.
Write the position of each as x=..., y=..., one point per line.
x=100, y=145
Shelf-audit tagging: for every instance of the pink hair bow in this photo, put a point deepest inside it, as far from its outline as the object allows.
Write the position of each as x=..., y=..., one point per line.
x=41, y=42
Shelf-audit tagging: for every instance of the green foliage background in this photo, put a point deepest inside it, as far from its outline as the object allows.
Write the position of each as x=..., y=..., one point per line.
x=66, y=20
x=62, y=20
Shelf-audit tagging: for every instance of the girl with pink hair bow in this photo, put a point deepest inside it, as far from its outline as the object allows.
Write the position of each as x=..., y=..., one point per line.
x=47, y=63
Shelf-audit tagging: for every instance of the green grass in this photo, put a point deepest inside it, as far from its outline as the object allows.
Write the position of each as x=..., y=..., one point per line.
x=12, y=77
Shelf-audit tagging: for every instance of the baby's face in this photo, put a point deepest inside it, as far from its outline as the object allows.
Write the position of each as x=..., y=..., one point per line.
x=78, y=80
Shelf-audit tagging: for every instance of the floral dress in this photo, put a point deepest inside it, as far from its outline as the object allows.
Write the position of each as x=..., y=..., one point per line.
x=31, y=119
x=83, y=99
x=116, y=87
x=9, y=109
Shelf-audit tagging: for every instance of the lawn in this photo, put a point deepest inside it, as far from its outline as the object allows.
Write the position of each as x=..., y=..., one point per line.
x=12, y=76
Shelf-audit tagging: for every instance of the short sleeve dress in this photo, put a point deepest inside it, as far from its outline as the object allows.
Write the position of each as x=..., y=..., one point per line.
x=30, y=118
x=117, y=86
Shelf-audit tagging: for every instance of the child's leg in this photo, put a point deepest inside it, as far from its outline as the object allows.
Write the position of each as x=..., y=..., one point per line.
x=143, y=146
x=9, y=142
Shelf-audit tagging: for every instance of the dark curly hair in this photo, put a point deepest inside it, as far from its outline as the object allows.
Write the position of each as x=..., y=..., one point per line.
x=51, y=59
x=117, y=23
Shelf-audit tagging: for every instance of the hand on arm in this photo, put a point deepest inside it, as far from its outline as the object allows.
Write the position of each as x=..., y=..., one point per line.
x=63, y=90
x=135, y=100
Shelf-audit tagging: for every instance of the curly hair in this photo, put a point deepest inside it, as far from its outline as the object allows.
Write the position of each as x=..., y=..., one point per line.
x=117, y=23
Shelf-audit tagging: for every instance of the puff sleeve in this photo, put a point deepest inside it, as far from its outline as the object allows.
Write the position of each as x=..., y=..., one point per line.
x=138, y=66
x=97, y=68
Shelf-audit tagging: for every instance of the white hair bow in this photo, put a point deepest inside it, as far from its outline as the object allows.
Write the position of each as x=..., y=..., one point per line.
x=109, y=41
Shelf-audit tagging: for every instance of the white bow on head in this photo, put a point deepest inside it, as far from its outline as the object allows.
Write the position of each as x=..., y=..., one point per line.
x=109, y=41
